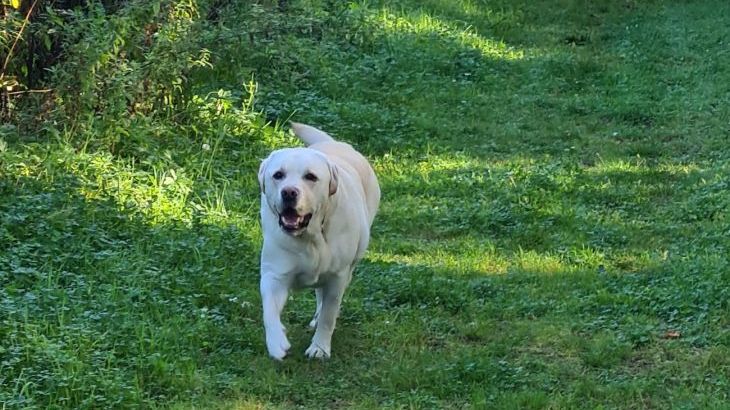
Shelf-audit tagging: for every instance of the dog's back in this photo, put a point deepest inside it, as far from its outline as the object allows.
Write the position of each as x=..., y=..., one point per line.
x=343, y=154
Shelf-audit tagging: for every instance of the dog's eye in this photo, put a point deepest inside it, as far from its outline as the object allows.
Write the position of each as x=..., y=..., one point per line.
x=311, y=177
x=278, y=175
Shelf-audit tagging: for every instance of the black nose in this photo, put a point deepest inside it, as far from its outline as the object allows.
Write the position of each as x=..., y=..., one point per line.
x=289, y=194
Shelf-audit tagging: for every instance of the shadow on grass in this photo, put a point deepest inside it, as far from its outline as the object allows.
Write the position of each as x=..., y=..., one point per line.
x=99, y=299
x=549, y=205
x=419, y=77
x=133, y=312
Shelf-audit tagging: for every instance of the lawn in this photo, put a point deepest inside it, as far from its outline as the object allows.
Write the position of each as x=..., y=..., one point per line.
x=554, y=230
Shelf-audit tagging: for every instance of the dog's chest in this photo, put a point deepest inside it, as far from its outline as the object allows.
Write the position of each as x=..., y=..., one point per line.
x=314, y=268
x=310, y=279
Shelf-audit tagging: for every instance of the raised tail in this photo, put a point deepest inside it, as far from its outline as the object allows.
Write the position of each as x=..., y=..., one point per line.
x=309, y=134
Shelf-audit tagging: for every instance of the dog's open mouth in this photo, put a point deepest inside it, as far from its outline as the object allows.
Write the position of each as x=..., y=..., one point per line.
x=291, y=222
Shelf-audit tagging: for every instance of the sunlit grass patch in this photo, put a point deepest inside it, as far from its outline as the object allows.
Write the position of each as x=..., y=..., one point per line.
x=422, y=24
x=464, y=256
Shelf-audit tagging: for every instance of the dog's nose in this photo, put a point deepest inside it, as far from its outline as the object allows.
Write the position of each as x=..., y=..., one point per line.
x=289, y=194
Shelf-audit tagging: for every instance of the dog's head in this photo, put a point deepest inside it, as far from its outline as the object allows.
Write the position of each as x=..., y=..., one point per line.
x=297, y=184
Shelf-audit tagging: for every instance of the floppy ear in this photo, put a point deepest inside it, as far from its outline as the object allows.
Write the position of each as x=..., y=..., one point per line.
x=262, y=170
x=333, y=178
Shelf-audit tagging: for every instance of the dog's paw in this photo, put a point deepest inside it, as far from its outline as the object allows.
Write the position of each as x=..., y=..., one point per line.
x=316, y=351
x=277, y=344
x=313, y=323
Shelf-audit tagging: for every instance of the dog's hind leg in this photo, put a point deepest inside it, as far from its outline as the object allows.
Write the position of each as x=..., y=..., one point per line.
x=318, y=294
x=332, y=293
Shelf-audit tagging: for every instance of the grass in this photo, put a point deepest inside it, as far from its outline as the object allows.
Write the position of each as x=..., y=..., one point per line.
x=553, y=231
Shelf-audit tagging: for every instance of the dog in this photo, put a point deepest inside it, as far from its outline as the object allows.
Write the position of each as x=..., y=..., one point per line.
x=317, y=207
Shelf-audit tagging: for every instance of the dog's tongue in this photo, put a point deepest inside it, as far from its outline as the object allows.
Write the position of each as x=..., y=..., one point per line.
x=290, y=219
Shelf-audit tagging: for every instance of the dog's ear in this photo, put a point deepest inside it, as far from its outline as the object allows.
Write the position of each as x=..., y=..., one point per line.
x=333, y=178
x=262, y=171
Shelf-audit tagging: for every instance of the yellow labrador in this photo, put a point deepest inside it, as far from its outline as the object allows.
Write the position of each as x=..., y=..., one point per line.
x=317, y=206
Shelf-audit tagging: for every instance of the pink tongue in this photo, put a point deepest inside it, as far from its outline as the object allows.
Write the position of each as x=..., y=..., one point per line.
x=290, y=219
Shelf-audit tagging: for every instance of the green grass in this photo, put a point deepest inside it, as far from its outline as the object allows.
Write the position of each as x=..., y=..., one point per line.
x=555, y=181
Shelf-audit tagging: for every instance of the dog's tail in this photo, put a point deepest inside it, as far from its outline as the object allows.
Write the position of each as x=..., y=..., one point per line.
x=309, y=134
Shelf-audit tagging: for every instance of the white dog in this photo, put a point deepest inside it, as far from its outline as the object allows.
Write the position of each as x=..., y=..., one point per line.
x=317, y=206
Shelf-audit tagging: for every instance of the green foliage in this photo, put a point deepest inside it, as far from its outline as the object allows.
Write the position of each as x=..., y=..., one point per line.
x=553, y=232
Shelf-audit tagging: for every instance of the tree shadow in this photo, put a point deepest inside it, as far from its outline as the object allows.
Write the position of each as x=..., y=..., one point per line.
x=543, y=206
x=124, y=309
x=378, y=86
x=147, y=308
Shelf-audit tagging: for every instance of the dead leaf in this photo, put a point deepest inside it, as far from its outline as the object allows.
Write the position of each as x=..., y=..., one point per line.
x=672, y=334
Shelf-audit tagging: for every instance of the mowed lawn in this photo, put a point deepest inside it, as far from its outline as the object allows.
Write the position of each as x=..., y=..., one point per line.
x=554, y=230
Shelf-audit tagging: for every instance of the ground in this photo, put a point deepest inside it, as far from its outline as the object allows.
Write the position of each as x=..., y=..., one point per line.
x=553, y=232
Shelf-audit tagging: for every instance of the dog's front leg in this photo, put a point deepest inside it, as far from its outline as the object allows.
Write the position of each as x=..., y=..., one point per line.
x=274, y=293
x=331, y=298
